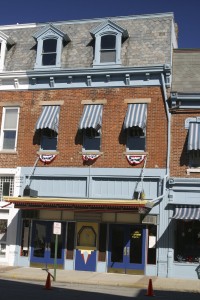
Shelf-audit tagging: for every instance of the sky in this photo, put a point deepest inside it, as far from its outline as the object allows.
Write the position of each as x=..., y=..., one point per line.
x=186, y=13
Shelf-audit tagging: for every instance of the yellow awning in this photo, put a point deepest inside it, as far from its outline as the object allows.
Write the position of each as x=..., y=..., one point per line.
x=74, y=203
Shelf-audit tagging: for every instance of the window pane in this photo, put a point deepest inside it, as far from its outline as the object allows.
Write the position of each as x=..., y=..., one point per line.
x=135, y=143
x=91, y=143
x=48, y=143
x=10, y=121
x=49, y=45
x=9, y=139
x=187, y=241
x=108, y=42
x=108, y=56
x=49, y=59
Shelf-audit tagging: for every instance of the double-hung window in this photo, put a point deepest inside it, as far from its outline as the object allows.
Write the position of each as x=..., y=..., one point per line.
x=135, y=127
x=49, y=52
x=108, y=41
x=9, y=128
x=108, y=48
x=90, y=125
x=47, y=128
x=50, y=42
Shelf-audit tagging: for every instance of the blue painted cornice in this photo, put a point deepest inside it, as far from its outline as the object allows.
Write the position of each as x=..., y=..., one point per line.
x=185, y=100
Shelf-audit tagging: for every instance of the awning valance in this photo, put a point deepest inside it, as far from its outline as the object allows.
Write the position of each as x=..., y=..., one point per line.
x=187, y=212
x=76, y=203
x=49, y=118
x=194, y=136
x=91, y=117
x=136, y=115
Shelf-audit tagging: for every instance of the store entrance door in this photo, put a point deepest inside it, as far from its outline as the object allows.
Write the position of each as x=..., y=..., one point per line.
x=126, y=249
x=43, y=245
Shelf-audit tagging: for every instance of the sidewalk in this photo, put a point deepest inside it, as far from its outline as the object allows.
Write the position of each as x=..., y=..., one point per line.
x=109, y=279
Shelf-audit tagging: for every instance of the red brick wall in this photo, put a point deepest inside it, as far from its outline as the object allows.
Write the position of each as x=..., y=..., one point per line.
x=179, y=156
x=113, y=116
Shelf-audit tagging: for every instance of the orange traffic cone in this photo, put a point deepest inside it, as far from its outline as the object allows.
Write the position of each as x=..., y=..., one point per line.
x=48, y=282
x=150, y=289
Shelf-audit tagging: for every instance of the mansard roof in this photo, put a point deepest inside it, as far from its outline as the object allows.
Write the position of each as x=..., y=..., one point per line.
x=186, y=71
x=148, y=44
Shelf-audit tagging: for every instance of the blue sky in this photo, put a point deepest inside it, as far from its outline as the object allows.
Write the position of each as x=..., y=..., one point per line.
x=186, y=13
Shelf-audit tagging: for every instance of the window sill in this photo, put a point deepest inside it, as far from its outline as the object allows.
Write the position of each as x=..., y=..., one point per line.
x=8, y=152
x=91, y=152
x=193, y=170
x=135, y=153
x=47, y=152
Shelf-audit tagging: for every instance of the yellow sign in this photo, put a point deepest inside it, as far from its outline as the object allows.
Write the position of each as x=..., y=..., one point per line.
x=136, y=235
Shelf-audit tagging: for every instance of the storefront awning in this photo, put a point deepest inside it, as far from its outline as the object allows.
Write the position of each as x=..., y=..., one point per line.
x=187, y=212
x=49, y=118
x=91, y=117
x=136, y=116
x=194, y=136
x=71, y=203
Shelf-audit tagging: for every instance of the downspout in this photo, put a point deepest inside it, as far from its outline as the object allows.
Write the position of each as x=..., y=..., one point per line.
x=151, y=203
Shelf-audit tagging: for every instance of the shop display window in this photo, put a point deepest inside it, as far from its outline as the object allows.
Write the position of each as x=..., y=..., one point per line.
x=187, y=241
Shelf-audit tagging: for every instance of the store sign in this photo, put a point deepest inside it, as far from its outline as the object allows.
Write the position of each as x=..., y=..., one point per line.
x=56, y=228
x=136, y=235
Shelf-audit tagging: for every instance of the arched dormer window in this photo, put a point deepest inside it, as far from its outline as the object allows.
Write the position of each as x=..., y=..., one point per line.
x=4, y=42
x=108, y=40
x=49, y=47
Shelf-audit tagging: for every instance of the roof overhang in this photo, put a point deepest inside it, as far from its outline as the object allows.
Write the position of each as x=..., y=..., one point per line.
x=76, y=203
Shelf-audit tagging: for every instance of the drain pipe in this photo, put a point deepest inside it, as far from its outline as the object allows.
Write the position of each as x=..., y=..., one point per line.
x=151, y=203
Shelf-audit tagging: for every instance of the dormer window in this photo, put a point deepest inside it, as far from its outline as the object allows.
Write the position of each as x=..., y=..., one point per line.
x=108, y=40
x=49, y=47
x=49, y=52
x=108, y=49
x=4, y=41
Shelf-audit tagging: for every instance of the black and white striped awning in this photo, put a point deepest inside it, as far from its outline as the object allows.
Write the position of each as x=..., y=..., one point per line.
x=136, y=115
x=49, y=118
x=194, y=136
x=187, y=212
x=91, y=117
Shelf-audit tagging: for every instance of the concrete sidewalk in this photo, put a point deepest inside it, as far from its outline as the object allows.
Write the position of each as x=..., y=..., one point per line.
x=109, y=279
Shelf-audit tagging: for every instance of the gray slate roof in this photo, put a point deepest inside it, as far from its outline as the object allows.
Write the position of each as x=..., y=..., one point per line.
x=148, y=43
x=186, y=71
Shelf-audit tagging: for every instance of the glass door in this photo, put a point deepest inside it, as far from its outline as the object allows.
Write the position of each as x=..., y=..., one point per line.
x=43, y=245
x=126, y=249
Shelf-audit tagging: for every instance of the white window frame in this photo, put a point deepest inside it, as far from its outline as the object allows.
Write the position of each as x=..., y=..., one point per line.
x=4, y=40
x=14, y=129
x=49, y=32
x=108, y=28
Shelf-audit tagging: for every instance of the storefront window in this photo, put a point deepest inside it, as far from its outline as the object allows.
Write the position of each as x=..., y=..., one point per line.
x=151, y=257
x=3, y=237
x=25, y=237
x=187, y=241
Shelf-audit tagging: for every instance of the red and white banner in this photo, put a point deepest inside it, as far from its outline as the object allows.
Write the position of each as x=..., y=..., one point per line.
x=47, y=159
x=135, y=159
x=88, y=157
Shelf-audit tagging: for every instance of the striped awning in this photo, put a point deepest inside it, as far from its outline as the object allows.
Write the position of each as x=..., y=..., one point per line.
x=194, y=136
x=49, y=118
x=136, y=115
x=187, y=212
x=91, y=117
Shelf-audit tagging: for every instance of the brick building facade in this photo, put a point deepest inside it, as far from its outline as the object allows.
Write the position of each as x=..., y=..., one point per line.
x=103, y=183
